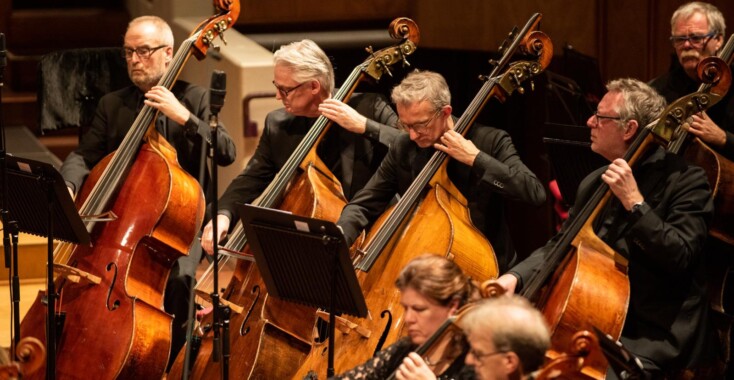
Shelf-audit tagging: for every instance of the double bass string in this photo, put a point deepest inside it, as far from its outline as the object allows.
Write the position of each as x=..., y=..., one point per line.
x=727, y=53
x=100, y=195
x=128, y=148
x=561, y=247
x=273, y=193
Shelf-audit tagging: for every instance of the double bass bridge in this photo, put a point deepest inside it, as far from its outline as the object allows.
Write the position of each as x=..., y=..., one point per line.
x=344, y=325
x=76, y=275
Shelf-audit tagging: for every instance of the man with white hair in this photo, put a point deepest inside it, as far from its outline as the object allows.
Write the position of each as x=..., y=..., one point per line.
x=352, y=149
x=697, y=31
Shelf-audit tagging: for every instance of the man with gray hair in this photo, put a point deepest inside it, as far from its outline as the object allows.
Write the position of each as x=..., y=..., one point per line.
x=697, y=31
x=485, y=167
x=352, y=149
x=657, y=220
x=507, y=337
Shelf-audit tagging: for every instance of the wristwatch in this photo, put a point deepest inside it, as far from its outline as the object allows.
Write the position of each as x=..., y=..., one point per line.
x=636, y=207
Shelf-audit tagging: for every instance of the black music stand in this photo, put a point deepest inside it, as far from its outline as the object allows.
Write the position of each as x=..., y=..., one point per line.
x=40, y=203
x=306, y=261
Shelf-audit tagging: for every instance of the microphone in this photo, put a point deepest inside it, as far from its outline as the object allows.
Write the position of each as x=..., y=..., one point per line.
x=217, y=91
x=3, y=54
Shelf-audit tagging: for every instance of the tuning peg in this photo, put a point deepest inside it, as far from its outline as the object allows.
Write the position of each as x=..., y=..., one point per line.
x=221, y=36
x=493, y=62
x=518, y=83
x=405, y=60
x=483, y=78
x=370, y=50
x=386, y=68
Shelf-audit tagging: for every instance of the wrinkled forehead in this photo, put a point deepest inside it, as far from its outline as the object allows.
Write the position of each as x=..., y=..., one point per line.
x=143, y=34
x=696, y=23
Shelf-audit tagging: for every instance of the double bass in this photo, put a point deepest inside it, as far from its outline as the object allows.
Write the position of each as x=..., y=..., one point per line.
x=269, y=336
x=110, y=294
x=431, y=216
x=584, y=282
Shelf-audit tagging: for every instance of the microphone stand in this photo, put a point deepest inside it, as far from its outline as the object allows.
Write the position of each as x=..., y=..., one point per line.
x=221, y=312
x=10, y=226
x=221, y=315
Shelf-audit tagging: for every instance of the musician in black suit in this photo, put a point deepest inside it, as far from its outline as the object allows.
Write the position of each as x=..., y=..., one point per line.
x=352, y=149
x=485, y=166
x=182, y=121
x=657, y=219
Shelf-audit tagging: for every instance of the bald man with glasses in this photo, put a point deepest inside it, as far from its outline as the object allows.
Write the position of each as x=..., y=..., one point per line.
x=352, y=148
x=183, y=120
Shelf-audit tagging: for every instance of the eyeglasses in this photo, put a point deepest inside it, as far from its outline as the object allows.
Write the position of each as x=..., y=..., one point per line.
x=143, y=52
x=284, y=91
x=696, y=40
x=479, y=355
x=420, y=126
x=601, y=117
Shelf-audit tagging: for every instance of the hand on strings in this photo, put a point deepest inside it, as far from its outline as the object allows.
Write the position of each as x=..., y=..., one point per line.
x=164, y=101
x=508, y=282
x=413, y=367
x=207, y=238
x=344, y=115
x=622, y=183
x=701, y=126
x=458, y=147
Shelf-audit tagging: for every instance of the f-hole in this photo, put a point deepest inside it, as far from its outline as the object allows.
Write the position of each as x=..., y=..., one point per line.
x=383, y=337
x=243, y=329
x=115, y=304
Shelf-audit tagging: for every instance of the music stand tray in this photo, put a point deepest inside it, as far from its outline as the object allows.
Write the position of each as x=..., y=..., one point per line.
x=295, y=256
x=28, y=201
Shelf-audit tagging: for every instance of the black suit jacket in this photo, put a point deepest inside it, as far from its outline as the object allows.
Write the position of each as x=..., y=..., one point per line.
x=497, y=173
x=116, y=113
x=667, y=320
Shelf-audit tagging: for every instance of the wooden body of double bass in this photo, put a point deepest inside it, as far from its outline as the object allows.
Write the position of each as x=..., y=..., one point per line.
x=271, y=337
x=720, y=173
x=591, y=290
x=113, y=325
x=117, y=329
x=438, y=224
x=589, y=285
x=430, y=217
